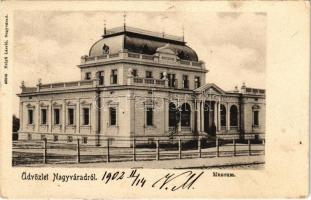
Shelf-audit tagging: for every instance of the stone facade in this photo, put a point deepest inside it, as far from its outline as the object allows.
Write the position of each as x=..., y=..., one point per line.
x=152, y=94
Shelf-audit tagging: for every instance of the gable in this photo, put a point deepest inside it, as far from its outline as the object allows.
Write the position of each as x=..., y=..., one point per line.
x=210, y=88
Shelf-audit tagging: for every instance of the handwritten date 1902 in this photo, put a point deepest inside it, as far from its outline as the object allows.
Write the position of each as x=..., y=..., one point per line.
x=175, y=182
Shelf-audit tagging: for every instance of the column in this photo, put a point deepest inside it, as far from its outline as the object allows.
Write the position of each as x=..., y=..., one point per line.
x=64, y=116
x=202, y=116
x=215, y=114
x=131, y=109
x=166, y=113
x=198, y=112
x=192, y=117
x=78, y=116
x=37, y=116
x=50, y=117
x=218, y=117
x=21, y=117
x=228, y=117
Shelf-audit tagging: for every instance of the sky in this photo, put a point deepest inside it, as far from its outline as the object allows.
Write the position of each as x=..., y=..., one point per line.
x=49, y=44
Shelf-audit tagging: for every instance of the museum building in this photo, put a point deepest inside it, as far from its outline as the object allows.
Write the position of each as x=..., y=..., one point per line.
x=139, y=84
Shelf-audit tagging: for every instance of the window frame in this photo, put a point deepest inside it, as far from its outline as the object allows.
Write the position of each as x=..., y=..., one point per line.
x=115, y=116
x=41, y=116
x=114, y=77
x=101, y=78
x=30, y=110
x=54, y=116
x=197, y=82
x=256, y=122
x=134, y=72
x=83, y=116
x=73, y=116
x=185, y=79
x=87, y=75
x=148, y=109
x=150, y=73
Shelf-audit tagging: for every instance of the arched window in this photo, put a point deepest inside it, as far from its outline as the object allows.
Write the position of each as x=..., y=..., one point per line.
x=233, y=115
x=222, y=115
x=185, y=114
x=172, y=115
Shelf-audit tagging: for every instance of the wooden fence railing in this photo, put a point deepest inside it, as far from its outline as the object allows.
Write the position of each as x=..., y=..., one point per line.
x=42, y=151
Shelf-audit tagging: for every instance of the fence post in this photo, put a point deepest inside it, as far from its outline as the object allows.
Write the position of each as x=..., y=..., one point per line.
x=249, y=147
x=199, y=147
x=108, y=156
x=179, y=148
x=217, y=147
x=234, y=148
x=134, y=150
x=45, y=150
x=157, y=149
x=78, y=150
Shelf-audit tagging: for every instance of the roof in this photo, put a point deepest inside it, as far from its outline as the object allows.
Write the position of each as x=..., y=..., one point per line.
x=140, y=41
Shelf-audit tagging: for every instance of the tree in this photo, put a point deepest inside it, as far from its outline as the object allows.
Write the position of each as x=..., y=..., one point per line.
x=15, y=127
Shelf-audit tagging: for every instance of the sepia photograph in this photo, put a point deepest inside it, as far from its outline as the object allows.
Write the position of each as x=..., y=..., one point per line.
x=161, y=99
x=137, y=86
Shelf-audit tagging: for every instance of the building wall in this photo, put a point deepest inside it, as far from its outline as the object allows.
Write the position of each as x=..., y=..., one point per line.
x=248, y=104
x=141, y=70
x=62, y=101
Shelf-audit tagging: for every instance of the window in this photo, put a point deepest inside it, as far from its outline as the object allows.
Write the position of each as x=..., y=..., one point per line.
x=29, y=137
x=172, y=115
x=43, y=116
x=55, y=138
x=86, y=116
x=185, y=82
x=149, y=116
x=185, y=114
x=30, y=116
x=256, y=118
x=84, y=140
x=56, y=116
x=87, y=76
x=114, y=76
x=113, y=116
x=134, y=73
x=101, y=78
x=197, y=82
x=70, y=116
x=69, y=139
x=43, y=137
x=149, y=74
x=171, y=80
x=233, y=116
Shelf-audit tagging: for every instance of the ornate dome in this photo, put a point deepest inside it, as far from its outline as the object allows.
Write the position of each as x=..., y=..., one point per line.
x=140, y=41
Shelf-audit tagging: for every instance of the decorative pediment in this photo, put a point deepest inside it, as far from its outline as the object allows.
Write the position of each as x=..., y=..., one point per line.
x=150, y=102
x=56, y=104
x=210, y=89
x=70, y=103
x=42, y=104
x=30, y=105
x=112, y=103
x=166, y=49
x=85, y=102
x=256, y=107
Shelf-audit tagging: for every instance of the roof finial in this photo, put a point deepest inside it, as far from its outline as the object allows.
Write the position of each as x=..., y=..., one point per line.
x=163, y=27
x=105, y=27
x=124, y=20
x=183, y=32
